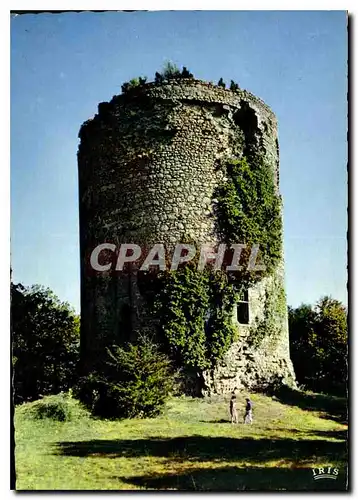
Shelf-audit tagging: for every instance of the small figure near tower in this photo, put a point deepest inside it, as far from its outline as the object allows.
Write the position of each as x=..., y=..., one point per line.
x=248, y=412
x=233, y=408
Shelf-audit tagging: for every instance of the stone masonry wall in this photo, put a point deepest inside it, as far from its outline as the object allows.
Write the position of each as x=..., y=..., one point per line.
x=149, y=163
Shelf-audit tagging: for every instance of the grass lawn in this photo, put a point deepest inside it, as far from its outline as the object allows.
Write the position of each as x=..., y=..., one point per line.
x=191, y=447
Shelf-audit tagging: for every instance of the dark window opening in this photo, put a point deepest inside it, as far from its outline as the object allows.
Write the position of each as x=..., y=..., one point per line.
x=246, y=119
x=242, y=310
x=243, y=313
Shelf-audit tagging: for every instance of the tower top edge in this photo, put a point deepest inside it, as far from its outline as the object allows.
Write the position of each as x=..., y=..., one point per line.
x=186, y=90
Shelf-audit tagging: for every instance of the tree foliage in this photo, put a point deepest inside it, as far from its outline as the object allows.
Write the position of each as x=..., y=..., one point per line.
x=134, y=381
x=170, y=70
x=318, y=344
x=158, y=79
x=186, y=73
x=133, y=83
x=45, y=343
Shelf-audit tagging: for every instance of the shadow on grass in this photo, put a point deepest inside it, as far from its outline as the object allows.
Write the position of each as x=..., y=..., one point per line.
x=341, y=434
x=199, y=448
x=334, y=408
x=239, y=479
x=221, y=421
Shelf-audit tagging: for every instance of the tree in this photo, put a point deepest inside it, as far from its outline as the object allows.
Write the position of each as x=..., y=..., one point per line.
x=125, y=87
x=133, y=83
x=170, y=70
x=221, y=83
x=142, y=80
x=301, y=324
x=318, y=344
x=158, y=78
x=186, y=73
x=45, y=343
x=134, y=381
x=233, y=85
x=330, y=338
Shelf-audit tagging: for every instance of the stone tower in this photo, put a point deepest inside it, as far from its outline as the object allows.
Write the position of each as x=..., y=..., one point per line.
x=149, y=164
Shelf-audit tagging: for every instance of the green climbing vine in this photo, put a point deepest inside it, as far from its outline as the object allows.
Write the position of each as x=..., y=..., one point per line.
x=249, y=212
x=181, y=306
x=270, y=325
x=249, y=209
x=194, y=311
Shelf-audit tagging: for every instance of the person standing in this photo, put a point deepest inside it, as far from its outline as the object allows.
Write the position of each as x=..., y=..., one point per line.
x=233, y=408
x=248, y=412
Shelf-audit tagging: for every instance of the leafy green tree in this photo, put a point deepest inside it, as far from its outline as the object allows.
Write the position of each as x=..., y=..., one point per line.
x=170, y=70
x=135, y=381
x=318, y=344
x=330, y=336
x=233, y=85
x=221, y=83
x=45, y=343
x=301, y=324
x=133, y=83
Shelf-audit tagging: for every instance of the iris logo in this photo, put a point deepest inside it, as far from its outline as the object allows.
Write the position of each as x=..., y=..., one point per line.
x=325, y=473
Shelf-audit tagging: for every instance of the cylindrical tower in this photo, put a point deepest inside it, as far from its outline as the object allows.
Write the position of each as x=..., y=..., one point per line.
x=149, y=164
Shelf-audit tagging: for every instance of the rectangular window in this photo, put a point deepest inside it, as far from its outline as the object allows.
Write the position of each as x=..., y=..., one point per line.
x=242, y=309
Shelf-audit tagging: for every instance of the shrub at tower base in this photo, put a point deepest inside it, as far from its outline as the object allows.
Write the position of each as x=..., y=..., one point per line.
x=134, y=380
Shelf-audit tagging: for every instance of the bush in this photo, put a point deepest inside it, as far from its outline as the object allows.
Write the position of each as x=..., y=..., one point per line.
x=61, y=408
x=158, y=78
x=170, y=70
x=135, y=381
x=56, y=410
x=133, y=83
x=233, y=85
x=186, y=73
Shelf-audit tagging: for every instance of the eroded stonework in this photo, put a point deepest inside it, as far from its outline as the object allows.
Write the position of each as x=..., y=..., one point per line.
x=149, y=164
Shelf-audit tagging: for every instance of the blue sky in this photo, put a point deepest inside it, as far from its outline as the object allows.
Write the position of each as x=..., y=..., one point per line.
x=63, y=65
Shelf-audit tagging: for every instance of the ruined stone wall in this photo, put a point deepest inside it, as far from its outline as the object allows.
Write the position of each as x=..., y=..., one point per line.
x=149, y=163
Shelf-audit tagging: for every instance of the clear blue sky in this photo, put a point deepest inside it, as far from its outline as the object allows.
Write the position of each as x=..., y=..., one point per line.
x=63, y=65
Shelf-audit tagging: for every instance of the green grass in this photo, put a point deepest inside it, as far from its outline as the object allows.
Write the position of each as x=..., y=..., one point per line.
x=191, y=447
